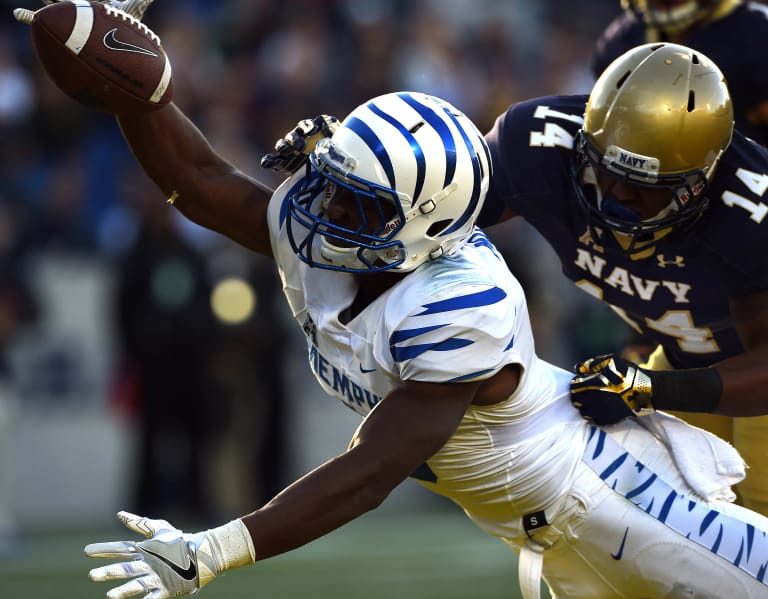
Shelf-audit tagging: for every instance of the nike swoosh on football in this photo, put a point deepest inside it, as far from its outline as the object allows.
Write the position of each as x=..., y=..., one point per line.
x=620, y=552
x=111, y=42
x=366, y=370
x=188, y=573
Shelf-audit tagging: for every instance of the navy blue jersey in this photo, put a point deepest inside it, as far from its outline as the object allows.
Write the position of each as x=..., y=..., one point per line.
x=736, y=43
x=678, y=296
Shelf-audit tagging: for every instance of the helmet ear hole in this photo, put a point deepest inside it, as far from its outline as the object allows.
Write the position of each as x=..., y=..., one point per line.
x=438, y=227
x=621, y=81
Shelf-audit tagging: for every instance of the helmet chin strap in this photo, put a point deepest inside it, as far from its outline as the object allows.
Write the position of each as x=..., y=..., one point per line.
x=430, y=204
x=339, y=256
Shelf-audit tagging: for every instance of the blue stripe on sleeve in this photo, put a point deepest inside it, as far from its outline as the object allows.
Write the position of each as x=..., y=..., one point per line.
x=473, y=300
x=470, y=376
x=405, y=334
x=401, y=354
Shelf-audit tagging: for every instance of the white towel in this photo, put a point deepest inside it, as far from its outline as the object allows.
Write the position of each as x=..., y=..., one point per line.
x=709, y=464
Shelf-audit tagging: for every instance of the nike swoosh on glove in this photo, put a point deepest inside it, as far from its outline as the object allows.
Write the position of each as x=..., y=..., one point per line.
x=169, y=563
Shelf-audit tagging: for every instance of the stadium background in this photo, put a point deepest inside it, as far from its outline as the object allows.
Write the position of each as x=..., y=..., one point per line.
x=73, y=205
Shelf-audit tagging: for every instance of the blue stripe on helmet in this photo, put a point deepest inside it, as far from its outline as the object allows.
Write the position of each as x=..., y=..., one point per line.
x=372, y=140
x=442, y=129
x=418, y=152
x=476, y=184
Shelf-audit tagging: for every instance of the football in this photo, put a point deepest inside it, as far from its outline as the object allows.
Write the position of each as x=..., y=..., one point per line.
x=102, y=57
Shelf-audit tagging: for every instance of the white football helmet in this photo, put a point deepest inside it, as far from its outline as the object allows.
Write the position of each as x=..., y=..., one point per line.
x=417, y=162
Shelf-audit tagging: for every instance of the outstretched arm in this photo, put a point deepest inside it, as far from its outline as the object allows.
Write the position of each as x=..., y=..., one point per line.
x=402, y=432
x=196, y=180
x=178, y=158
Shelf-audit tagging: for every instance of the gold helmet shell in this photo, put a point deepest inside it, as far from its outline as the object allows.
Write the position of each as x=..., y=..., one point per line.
x=661, y=116
x=664, y=101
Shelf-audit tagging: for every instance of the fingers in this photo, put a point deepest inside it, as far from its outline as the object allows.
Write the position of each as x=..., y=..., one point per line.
x=593, y=365
x=22, y=15
x=290, y=145
x=143, y=580
x=328, y=124
x=585, y=367
x=590, y=381
x=120, y=571
x=270, y=161
x=304, y=128
x=135, y=8
x=115, y=549
x=293, y=142
x=143, y=526
x=140, y=579
x=137, y=586
x=285, y=160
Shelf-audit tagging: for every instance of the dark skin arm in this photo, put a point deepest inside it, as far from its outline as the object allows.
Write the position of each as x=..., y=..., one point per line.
x=745, y=377
x=402, y=432
x=407, y=427
x=202, y=185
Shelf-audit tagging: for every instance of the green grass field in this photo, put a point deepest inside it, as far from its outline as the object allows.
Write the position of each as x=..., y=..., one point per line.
x=424, y=556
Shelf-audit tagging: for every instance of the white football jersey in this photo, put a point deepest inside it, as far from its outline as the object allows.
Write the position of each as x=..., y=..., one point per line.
x=529, y=469
x=459, y=318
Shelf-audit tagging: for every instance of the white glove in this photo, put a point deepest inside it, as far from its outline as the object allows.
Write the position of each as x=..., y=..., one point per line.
x=169, y=563
x=135, y=8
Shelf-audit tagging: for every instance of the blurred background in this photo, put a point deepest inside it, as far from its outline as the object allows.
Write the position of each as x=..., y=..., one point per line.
x=149, y=365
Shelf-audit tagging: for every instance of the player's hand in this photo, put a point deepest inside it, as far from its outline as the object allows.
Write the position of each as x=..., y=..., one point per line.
x=607, y=389
x=135, y=8
x=292, y=151
x=169, y=563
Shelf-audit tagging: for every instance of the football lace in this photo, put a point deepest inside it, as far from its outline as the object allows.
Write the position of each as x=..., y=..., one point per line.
x=126, y=17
